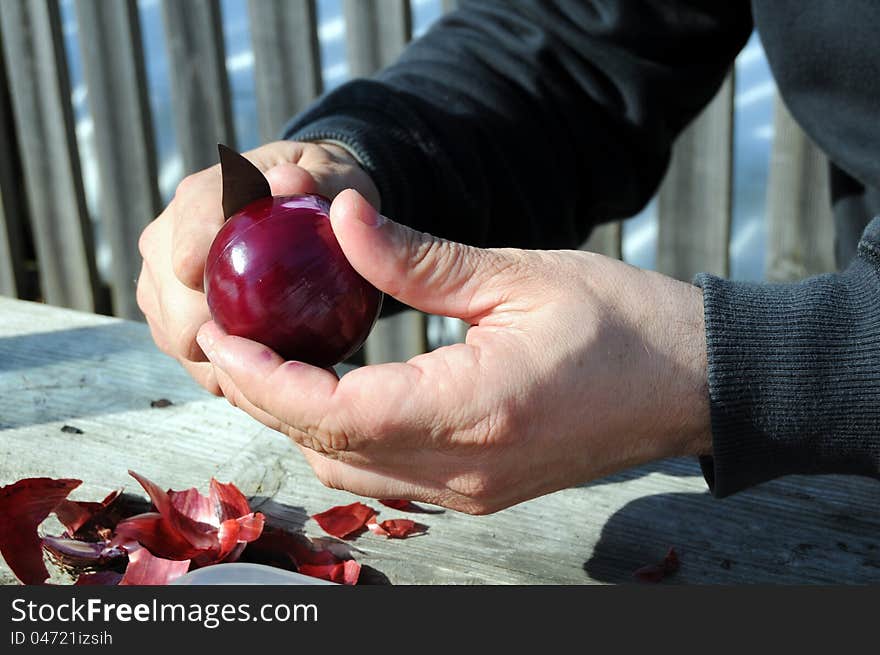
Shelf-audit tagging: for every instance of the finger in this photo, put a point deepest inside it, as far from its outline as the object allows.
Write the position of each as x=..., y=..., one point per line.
x=203, y=374
x=288, y=179
x=427, y=273
x=145, y=294
x=197, y=215
x=365, y=482
x=292, y=393
x=183, y=312
x=236, y=398
x=390, y=407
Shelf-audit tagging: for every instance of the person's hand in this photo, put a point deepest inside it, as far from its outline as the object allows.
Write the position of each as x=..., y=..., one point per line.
x=175, y=245
x=576, y=365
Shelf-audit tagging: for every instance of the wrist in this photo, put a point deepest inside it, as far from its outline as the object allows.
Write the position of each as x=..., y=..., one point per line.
x=683, y=389
x=342, y=154
x=340, y=151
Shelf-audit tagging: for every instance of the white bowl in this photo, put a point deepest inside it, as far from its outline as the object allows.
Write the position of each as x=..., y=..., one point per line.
x=243, y=573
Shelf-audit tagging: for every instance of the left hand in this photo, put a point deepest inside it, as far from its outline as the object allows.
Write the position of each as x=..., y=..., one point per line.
x=576, y=366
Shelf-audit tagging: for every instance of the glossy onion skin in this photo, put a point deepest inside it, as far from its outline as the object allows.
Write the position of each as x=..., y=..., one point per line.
x=275, y=274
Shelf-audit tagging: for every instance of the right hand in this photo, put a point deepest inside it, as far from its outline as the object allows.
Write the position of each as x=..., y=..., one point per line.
x=174, y=247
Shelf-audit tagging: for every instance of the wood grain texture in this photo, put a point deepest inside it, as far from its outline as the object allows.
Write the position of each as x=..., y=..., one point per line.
x=397, y=338
x=376, y=32
x=40, y=89
x=800, y=226
x=113, y=65
x=199, y=84
x=287, y=64
x=606, y=239
x=12, y=202
x=99, y=374
x=694, y=201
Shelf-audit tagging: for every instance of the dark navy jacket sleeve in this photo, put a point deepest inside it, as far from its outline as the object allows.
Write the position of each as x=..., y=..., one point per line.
x=526, y=123
x=794, y=374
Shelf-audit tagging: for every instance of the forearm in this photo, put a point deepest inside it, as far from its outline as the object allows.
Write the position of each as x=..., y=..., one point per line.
x=794, y=374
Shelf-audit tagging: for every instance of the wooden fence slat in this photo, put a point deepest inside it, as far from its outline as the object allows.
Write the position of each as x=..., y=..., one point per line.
x=44, y=119
x=9, y=248
x=287, y=63
x=694, y=201
x=800, y=228
x=376, y=32
x=12, y=205
x=606, y=239
x=199, y=84
x=113, y=63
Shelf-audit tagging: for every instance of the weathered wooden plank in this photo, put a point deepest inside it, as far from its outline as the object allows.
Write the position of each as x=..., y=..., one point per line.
x=44, y=119
x=287, y=65
x=113, y=62
x=376, y=33
x=397, y=338
x=694, y=202
x=100, y=374
x=12, y=204
x=10, y=250
x=800, y=227
x=199, y=84
x=606, y=239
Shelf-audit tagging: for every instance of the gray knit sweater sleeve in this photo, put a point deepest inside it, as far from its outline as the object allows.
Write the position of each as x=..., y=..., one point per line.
x=794, y=374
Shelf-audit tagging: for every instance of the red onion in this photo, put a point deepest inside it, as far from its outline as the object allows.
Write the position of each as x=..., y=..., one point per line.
x=276, y=274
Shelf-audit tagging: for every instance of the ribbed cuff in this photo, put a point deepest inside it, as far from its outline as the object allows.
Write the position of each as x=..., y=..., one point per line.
x=794, y=375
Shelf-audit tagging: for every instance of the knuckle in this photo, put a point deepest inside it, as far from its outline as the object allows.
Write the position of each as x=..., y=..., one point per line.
x=329, y=443
x=141, y=295
x=188, y=264
x=430, y=259
x=145, y=240
x=330, y=439
x=477, y=489
x=185, y=345
x=327, y=478
x=428, y=253
x=337, y=441
x=186, y=184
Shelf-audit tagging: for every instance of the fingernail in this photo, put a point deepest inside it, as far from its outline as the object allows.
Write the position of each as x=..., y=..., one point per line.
x=371, y=217
x=206, y=343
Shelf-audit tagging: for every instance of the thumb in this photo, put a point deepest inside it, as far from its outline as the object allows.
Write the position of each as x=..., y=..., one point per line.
x=421, y=270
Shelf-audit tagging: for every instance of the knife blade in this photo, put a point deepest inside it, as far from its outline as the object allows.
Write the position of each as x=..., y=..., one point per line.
x=242, y=181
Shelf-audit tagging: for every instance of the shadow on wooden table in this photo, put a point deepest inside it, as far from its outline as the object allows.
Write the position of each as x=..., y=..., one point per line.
x=79, y=343
x=86, y=371
x=796, y=530
x=678, y=467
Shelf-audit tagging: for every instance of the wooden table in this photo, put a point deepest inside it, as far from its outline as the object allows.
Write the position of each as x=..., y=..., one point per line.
x=99, y=374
